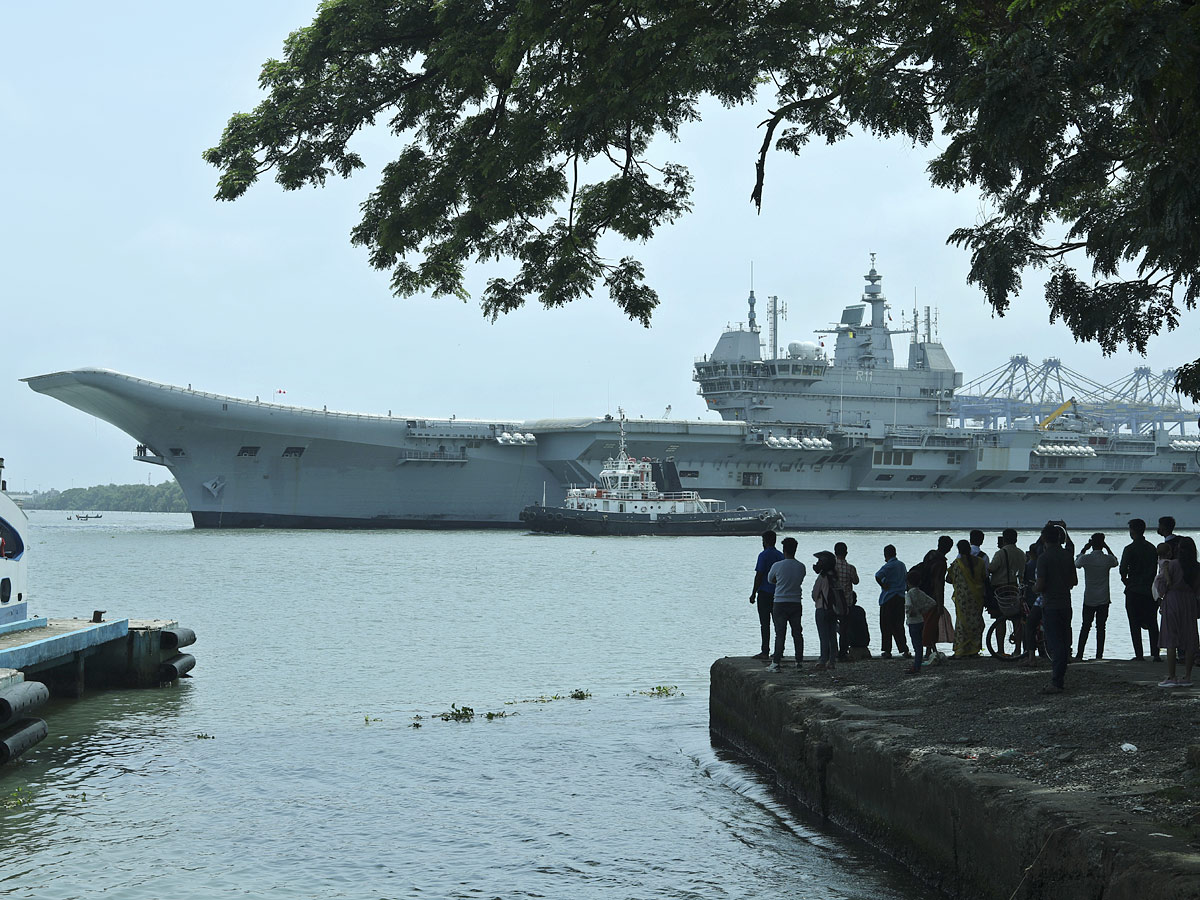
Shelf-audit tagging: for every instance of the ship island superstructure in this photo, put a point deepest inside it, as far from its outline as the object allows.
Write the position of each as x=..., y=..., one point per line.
x=850, y=440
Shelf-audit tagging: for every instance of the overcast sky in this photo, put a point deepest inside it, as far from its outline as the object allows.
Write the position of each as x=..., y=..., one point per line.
x=116, y=255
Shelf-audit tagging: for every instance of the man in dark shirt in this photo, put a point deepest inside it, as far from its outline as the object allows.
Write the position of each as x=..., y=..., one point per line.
x=1055, y=578
x=934, y=584
x=1166, y=530
x=1139, y=565
x=765, y=591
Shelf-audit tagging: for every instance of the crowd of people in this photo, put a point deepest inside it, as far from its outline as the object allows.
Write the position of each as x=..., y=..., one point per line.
x=1029, y=591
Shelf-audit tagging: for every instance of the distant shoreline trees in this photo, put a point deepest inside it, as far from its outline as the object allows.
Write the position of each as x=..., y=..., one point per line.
x=165, y=497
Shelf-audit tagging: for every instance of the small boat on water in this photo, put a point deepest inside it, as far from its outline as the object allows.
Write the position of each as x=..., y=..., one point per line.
x=628, y=501
x=84, y=518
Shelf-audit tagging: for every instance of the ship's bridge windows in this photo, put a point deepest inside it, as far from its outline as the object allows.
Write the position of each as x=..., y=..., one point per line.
x=178, y=451
x=293, y=452
x=954, y=458
x=1178, y=467
x=893, y=457
x=249, y=451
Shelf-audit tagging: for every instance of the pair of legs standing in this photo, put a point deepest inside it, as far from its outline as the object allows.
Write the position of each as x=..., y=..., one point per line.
x=787, y=615
x=914, y=635
x=1143, y=614
x=1100, y=614
x=891, y=625
x=1033, y=619
x=1056, y=624
x=1189, y=660
x=827, y=634
x=765, y=606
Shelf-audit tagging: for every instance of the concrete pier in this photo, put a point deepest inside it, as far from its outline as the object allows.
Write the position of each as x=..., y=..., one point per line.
x=972, y=833
x=69, y=656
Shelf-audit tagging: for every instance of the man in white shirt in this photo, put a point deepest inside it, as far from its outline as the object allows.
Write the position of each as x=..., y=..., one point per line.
x=787, y=576
x=1097, y=561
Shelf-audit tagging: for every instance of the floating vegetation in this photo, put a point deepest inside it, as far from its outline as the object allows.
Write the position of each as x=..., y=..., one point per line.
x=205, y=736
x=367, y=720
x=662, y=690
x=19, y=797
x=577, y=694
x=457, y=714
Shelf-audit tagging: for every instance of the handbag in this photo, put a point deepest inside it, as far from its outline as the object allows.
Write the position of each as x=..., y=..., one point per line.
x=945, y=628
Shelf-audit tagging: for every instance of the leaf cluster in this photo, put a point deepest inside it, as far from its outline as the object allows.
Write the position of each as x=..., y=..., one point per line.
x=527, y=132
x=526, y=127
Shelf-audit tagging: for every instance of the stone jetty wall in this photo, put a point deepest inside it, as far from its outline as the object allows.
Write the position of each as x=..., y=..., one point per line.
x=971, y=834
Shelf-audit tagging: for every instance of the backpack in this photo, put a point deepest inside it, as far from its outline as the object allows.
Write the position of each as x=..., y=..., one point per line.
x=858, y=634
x=843, y=601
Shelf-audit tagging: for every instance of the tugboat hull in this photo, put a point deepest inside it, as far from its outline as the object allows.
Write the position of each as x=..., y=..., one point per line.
x=559, y=520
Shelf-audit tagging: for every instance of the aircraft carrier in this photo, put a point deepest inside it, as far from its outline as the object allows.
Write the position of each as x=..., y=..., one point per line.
x=842, y=440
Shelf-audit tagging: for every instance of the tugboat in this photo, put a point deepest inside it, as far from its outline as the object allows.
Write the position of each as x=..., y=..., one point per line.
x=628, y=501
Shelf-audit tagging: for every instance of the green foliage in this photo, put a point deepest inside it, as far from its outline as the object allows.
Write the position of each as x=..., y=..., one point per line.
x=577, y=694
x=165, y=497
x=17, y=797
x=526, y=127
x=457, y=713
x=662, y=690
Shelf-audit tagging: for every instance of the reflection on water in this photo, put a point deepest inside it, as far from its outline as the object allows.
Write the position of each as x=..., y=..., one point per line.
x=288, y=766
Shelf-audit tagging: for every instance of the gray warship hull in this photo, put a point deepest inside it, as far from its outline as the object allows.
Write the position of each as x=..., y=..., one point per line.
x=244, y=464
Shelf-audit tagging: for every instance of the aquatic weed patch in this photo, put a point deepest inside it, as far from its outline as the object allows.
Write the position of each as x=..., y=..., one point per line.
x=18, y=797
x=458, y=713
x=577, y=694
x=662, y=690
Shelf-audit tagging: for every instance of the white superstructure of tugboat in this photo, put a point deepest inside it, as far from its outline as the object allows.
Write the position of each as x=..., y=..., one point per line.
x=628, y=501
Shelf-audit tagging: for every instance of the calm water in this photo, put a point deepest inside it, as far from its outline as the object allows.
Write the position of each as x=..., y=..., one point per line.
x=288, y=765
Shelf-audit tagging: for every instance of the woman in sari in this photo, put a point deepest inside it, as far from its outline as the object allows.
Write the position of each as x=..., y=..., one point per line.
x=1177, y=584
x=967, y=573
